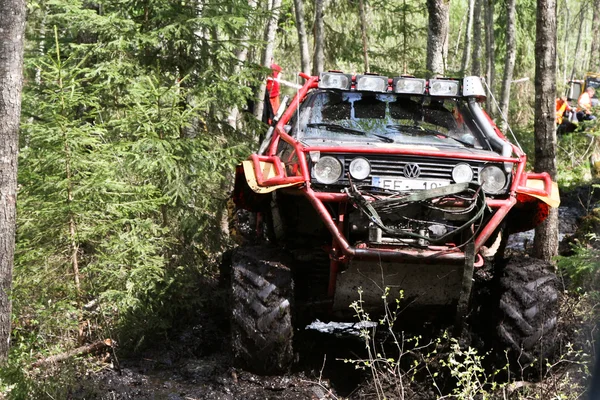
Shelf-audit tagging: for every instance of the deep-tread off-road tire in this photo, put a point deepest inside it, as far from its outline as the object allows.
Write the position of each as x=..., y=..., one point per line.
x=261, y=323
x=528, y=308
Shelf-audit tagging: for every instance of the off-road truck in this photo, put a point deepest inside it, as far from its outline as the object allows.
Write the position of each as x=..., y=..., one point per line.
x=366, y=181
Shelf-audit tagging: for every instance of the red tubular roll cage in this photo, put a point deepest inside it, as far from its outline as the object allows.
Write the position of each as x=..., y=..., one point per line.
x=341, y=250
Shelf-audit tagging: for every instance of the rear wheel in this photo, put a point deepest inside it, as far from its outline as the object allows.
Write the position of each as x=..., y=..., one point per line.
x=527, y=312
x=261, y=322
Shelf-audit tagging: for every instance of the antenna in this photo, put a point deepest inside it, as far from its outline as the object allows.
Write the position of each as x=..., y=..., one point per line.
x=504, y=118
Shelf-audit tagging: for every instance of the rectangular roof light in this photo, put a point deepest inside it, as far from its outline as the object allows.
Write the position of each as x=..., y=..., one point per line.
x=409, y=85
x=443, y=87
x=334, y=80
x=371, y=83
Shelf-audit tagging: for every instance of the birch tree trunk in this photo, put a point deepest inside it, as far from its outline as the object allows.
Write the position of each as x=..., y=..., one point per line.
x=578, y=45
x=459, y=39
x=242, y=52
x=490, y=50
x=270, y=31
x=242, y=56
x=476, y=69
x=437, y=36
x=466, y=57
x=12, y=31
x=545, y=244
x=594, y=64
x=566, y=18
x=302, y=37
x=509, y=62
x=363, y=28
x=319, y=55
x=404, y=39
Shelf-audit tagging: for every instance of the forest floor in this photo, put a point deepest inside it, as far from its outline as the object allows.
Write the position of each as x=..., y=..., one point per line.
x=195, y=363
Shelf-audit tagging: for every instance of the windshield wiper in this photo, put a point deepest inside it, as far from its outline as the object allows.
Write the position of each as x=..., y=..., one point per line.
x=420, y=129
x=340, y=128
x=336, y=128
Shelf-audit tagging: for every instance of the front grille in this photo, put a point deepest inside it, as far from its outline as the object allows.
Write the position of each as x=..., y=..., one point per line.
x=431, y=168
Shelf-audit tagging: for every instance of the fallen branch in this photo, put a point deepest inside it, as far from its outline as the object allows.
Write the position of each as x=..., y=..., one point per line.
x=79, y=351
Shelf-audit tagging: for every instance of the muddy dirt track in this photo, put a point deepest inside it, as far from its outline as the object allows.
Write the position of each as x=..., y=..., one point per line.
x=176, y=373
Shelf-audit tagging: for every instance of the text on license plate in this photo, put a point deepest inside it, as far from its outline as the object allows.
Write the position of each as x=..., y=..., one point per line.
x=408, y=184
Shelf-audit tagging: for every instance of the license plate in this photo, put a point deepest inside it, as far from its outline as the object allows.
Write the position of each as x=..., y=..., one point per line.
x=408, y=184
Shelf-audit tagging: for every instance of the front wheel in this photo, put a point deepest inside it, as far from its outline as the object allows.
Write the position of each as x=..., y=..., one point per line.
x=261, y=321
x=527, y=311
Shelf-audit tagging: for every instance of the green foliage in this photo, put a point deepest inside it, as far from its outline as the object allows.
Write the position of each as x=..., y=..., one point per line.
x=472, y=379
x=573, y=157
x=573, y=153
x=125, y=167
x=583, y=266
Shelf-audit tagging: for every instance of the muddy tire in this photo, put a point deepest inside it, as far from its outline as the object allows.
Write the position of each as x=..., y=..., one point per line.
x=261, y=321
x=527, y=312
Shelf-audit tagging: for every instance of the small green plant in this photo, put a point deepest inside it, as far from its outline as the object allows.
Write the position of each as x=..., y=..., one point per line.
x=389, y=379
x=472, y=379
x=395, y=376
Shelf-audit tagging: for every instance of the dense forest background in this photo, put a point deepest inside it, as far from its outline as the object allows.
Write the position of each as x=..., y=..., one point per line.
x=135, y=113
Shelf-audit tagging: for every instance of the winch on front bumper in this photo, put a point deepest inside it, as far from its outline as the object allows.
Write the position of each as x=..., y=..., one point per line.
x=449, y=215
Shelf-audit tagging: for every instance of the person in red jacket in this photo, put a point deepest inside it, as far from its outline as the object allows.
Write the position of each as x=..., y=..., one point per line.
x=273, y=91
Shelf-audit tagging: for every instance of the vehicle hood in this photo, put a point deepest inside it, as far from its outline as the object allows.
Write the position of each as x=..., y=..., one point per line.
x=315, y=143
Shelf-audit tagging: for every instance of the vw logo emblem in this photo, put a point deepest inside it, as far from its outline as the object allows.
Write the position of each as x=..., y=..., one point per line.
x=412, y=170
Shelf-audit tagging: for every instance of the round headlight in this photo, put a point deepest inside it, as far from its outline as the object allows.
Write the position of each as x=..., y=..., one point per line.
x=359, y=168
x=462, y=173
x=492, y=179
x=327, y=170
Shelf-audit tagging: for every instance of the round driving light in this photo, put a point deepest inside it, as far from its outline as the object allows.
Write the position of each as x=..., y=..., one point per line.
x=462, y=173
x=360, y=168
x=327, y=170
x=492, y=179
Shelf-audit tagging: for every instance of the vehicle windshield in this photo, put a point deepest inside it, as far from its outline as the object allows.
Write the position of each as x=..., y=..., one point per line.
x=388, y=118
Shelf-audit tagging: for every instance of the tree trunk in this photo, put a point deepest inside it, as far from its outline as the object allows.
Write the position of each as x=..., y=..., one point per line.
x=241, y=55
x=566, y=12
x=476, y=70
x=302, y=37
x=454, y=57
x=595, y=51
x=577, y=52
x=466, y=57
x=404, y=40
x=509, y=62
x=12, y=31
x=363, y=28
x=545, y=244
x=270, y=31
x=490, y=51
x=319, y=56
x=437, y=36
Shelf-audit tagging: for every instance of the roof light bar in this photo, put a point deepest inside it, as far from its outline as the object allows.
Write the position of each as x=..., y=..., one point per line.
x=334, y=80
x=409, y=85
x=473, y=87
x=443, y=87
x=371, y=83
